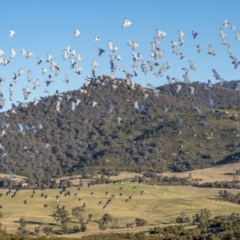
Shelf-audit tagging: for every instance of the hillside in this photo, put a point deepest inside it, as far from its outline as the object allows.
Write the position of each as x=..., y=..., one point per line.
x=224, y=97
x=90, y=138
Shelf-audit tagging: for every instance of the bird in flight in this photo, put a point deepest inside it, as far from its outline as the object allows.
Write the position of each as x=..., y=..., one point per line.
x=126, y=23
x=101, y=51
x=194, y=34
x=11, y=33
x=96, y=39
x=76, y=33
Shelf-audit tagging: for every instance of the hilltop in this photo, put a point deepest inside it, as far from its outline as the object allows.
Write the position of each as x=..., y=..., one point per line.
x=91, y=139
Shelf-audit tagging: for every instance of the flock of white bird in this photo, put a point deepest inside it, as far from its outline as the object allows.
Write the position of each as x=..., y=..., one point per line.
x=155, y=53
x=74, y=58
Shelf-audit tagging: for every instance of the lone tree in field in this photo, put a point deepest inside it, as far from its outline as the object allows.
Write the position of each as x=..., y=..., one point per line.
x=77, y=212
x=140, y=222
x=48, y=231
x=61, y=215
x=106, y=218
x=65, y=228
x=22, y=228
x=80, y=183
x=37, y=230
x=89, y=217
x=1, y=215
x=183, y=218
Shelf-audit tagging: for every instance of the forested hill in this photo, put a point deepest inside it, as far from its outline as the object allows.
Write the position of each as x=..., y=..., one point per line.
x=107, y=133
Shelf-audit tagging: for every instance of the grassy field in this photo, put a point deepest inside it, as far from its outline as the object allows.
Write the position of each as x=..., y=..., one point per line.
x=16, y=177
x=157, y=205
x=219, y=173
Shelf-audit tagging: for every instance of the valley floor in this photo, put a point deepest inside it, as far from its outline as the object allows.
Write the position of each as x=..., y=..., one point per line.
x=159, y=205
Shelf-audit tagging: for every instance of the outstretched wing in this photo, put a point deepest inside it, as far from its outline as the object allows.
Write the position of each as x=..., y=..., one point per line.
x=215, y=74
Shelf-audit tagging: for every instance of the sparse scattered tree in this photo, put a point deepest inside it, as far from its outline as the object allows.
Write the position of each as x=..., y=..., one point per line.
x=1, y=216
x=83, y=227
x=202, y=217
x=37, y=230
x=183, y=218
x=22, y=228
x=48, y=231
x=76, y=228
x=89, y=217
x=106, y=219
x=61, y=215
x=140, y=235
x=65, y=228
x=77, y=212
x=140, y=222
x=115, y=223
x=80, y=183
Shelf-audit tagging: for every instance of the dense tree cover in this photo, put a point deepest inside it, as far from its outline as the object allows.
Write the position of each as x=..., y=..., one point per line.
x=218, y=184
x=90, y=139
x=158, y=179
x=221, y=95
x=153, y=178
x=228, y=196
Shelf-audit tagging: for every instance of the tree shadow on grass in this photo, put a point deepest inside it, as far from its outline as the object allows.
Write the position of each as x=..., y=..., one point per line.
x=229, y=174
x=233, y=158
x=160, y=222
x=39, y=223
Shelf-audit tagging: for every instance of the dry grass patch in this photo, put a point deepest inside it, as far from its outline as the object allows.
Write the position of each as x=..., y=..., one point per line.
x=213, y=174
x=157, y=205
x=16, y=178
